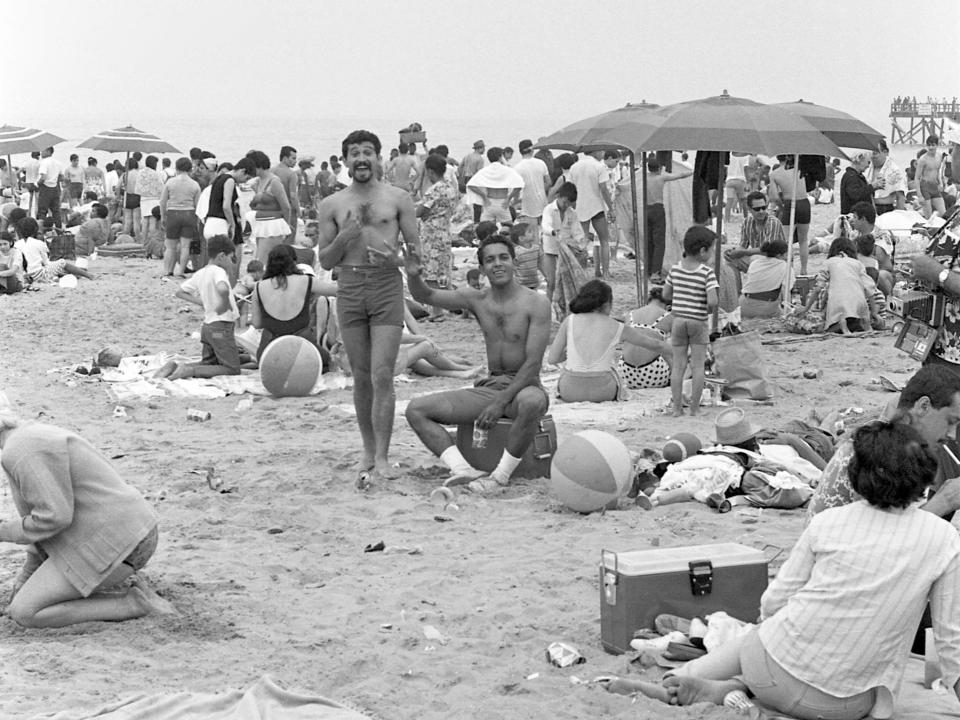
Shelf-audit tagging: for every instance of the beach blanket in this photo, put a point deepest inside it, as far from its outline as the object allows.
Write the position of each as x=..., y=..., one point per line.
x=264, y=700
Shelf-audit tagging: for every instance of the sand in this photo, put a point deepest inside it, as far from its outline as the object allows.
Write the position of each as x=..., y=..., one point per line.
x=271, y=577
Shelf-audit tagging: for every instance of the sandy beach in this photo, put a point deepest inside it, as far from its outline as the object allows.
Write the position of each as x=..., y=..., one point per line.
x=269, y=573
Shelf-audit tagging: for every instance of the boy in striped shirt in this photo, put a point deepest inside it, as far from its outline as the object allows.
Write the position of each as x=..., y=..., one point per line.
x=693, y=290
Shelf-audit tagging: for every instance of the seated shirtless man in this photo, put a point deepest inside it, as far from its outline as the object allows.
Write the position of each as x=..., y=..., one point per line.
x=516, y=328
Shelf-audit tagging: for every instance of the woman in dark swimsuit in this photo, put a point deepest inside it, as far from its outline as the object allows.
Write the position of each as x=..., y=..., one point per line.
x=282, y=303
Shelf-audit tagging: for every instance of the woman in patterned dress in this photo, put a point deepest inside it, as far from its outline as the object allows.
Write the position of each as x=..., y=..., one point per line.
x=435, y=210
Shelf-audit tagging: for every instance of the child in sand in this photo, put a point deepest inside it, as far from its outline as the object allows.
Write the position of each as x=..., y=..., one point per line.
x=210, y=288
x=850, y=291
x=528, y=256
x=39, y=266
x=473, y=280
x=85, y=529
x=692, y=288
x=155, y=235
x=244, y=288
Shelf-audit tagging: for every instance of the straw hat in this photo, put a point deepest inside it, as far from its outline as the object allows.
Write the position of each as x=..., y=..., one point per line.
x=732, y=427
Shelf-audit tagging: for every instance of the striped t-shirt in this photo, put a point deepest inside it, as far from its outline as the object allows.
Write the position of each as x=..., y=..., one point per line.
x=690, y=291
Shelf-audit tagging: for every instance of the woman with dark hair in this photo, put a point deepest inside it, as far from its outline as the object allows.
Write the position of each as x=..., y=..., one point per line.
x=272, y=205
x=282, y=303
x=641, y=366
x=760, y=297
x=836, y=623
x=434, y=211
x=588, y=340
x=850, y=291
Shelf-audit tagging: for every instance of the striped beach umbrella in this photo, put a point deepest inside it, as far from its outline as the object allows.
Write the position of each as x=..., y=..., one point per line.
x=15, y=140
x=843, y=129
x=127, y=139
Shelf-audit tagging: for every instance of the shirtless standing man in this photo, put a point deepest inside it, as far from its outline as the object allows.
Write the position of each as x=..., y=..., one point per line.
x=516, y=328
x=928, y=179
x=359, y=234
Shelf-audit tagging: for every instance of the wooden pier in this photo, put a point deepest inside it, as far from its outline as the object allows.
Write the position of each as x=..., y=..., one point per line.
x=912, y=120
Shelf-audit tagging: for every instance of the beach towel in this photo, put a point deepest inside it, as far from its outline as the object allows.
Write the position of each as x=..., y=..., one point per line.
x=264, y=700
x=571, y=276
x=678, y=206
x=495, y=176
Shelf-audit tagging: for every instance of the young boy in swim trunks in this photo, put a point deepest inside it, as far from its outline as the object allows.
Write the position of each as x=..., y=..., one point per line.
x=209, y=287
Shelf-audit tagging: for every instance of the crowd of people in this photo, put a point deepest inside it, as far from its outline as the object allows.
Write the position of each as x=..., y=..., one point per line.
x=344, y=260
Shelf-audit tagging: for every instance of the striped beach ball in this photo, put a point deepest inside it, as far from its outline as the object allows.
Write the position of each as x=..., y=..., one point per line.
x=290, y=366
x=589, y=470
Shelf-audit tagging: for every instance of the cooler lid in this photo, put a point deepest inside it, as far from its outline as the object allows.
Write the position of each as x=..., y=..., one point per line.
x=674, y=559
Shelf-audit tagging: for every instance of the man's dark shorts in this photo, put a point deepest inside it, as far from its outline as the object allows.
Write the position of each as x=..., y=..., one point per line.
x=467, y=404
x=75, y=190
x=219, y=345
x=369, y=295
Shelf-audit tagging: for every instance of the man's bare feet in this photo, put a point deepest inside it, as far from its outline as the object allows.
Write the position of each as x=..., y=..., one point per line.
x=678, y=412
x=149, y=601
x=183, y=371
x=686, y=690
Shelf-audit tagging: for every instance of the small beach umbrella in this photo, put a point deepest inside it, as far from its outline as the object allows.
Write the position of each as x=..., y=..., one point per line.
x=618, y=129
x=15, y=140
x=840, y=127
x=127, y=139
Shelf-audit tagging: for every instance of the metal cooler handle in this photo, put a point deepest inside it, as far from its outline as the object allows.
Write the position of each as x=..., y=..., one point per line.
x=608, y=577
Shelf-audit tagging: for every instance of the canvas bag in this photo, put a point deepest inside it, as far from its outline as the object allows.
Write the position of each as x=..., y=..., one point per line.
x=762, y=490
x=739, y=361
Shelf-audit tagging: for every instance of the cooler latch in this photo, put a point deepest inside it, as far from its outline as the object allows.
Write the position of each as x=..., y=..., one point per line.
x=608, y=576
x=701, y=577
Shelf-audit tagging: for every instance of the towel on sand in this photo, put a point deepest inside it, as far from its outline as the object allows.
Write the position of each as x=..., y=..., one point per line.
x=264, y=700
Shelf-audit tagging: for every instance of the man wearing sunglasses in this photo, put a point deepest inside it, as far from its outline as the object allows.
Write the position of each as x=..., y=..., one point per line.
x=759, y=227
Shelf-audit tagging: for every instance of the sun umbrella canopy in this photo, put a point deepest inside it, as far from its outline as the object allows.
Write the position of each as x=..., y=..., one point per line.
x=127, y=139
x=622, y=127
x=843, y=129
x=14, y=140
x=725, y=123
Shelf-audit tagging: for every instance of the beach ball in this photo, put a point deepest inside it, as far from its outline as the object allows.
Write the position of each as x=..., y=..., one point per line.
x=68, y=281
x=290, y=366
x=589, y=470
x=681, y=446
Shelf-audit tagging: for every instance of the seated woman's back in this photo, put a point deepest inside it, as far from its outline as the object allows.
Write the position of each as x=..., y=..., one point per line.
x=592, y=341
x=284, y=303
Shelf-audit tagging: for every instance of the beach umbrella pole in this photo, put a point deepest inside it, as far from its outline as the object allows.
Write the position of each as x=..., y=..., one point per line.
x=718, y=254
x=793, y=217
x=642, y=237
x=638, y=262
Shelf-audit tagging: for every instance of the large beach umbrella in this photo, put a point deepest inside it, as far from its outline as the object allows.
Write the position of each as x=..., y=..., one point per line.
x=127, y=139
x=621, y=129
x=843, y=129
x=724, y=123
x=15, y=140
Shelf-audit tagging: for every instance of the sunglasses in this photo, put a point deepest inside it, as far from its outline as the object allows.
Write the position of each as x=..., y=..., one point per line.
x=758, y=209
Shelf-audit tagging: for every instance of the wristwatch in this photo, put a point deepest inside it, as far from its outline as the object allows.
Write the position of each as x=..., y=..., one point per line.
x=942, y=277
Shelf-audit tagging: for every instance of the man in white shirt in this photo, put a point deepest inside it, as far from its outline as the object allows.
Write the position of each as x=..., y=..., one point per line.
x=892, y=191
x=560, y=225
x=593, y=205
x=536, y=185
x=48, y=185
x=31, y=170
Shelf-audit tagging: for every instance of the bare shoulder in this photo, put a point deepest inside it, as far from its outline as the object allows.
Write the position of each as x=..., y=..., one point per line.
x=535, y=303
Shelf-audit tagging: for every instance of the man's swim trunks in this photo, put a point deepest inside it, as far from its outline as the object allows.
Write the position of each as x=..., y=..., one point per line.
x=369, y=295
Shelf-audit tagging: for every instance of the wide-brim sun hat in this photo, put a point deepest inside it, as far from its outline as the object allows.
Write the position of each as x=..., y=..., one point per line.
x=732, y=427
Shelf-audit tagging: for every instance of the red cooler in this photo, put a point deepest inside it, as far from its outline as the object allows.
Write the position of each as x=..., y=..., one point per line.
x=689, y=581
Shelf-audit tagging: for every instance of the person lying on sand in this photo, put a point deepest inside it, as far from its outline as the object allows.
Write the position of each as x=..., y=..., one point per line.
x=85, y=529
x=516, y=328
x=810, y=656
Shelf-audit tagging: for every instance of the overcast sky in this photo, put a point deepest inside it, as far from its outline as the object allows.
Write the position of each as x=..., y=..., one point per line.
x=557, y=59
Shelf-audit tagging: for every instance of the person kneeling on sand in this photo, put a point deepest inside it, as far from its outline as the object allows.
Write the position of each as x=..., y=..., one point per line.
x=516, y=328
x=209, y=287
x=810, y=656
x=85, y=529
